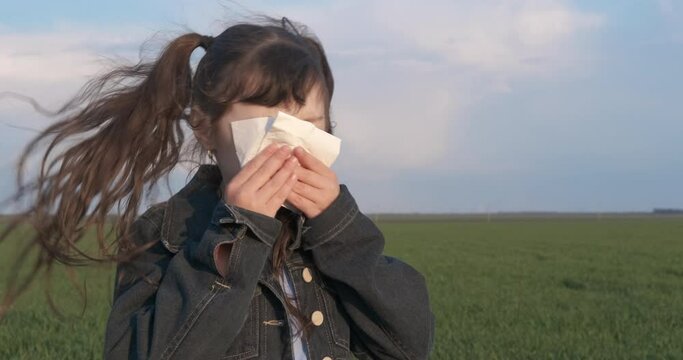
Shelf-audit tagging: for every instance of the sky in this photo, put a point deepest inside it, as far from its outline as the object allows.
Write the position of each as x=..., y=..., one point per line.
x=442, y=105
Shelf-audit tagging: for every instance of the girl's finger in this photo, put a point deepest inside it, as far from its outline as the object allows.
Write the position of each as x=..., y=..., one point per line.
x=310, y=162
x=301, y=203
x=305, y=190
x=310, y=177
x=252, y=165
x=267, y=169
x=280, y=177
x=281, y=195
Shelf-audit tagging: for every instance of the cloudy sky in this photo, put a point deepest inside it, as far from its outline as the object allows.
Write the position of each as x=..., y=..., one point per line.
x=442, y=106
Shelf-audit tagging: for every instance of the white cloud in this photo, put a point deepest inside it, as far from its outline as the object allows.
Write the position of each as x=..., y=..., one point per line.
x=673, y=19
x=394, y=122
x=666, y=6
x=404, y=72
x=493, y=36
x=51, y=66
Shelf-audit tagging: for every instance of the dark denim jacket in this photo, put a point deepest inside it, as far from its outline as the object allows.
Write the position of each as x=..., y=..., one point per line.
x=171, y=303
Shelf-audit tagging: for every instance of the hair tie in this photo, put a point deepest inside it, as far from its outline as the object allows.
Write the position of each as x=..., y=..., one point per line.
x=206, y=41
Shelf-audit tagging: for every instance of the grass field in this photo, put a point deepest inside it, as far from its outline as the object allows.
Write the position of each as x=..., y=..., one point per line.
x=508, y=289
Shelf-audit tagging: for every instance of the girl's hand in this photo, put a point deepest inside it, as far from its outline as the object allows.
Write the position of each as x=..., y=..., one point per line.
x=264, y=182
x=317, y=187
x=262, y=185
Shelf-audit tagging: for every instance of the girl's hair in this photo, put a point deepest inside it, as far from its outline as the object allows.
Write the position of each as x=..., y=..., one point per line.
x=132, y=116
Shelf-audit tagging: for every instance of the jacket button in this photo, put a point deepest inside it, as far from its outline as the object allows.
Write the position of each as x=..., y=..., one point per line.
x=307, y=275
x=327, y=358
x=317, y=318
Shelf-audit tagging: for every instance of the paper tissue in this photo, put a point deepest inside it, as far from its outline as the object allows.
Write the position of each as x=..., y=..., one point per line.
x=253, y=135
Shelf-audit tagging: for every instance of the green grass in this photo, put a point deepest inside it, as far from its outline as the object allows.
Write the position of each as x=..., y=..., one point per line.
x=550, y=288
x=513, y=289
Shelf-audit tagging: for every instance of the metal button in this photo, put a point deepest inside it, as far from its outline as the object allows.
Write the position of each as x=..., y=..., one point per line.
x=307, y=275
x=317, y=318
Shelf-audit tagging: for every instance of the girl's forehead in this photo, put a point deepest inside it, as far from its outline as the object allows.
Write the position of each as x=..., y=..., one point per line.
x=312, y=110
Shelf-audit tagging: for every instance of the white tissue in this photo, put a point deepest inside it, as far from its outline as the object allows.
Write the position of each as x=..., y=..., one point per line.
x=253, y=135
x=248, y=135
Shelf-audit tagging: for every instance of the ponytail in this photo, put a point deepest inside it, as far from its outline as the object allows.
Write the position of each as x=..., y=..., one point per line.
x=137, y=139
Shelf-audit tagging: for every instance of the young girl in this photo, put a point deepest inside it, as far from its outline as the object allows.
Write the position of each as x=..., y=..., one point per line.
x=222, y=270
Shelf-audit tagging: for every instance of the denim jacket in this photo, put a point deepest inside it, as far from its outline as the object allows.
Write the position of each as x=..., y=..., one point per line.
x=171, y=303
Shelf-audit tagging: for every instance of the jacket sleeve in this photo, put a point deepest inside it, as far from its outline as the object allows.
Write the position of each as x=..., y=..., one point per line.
x=166, y=304
x=385, y=298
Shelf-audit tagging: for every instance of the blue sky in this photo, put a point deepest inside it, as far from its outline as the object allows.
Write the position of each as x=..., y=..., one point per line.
x=442, y=106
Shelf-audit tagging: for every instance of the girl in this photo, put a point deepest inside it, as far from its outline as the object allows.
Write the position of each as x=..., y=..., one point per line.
x=222, y=270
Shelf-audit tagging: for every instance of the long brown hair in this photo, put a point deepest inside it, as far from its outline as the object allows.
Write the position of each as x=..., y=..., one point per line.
x=133, y=115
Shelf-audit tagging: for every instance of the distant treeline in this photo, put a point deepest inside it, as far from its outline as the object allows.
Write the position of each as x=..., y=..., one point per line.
x=523, y=215
x=495, y=216
x=667, y=211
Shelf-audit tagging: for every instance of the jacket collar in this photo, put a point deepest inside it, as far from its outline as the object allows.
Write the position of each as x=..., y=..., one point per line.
x=189, y=211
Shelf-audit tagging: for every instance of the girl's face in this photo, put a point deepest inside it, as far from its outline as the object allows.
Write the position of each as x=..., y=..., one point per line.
x=221, y=139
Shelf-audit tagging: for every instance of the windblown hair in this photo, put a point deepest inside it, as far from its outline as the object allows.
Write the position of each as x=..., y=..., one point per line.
x=132, y=118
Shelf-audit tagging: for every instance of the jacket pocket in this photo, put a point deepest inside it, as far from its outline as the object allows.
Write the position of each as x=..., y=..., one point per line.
x=246, y=344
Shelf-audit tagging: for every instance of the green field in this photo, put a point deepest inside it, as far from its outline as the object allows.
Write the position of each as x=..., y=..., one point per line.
x=506, y=289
